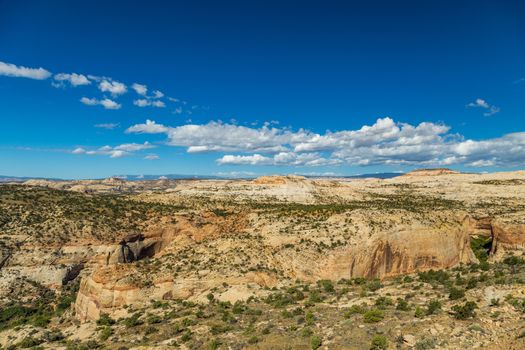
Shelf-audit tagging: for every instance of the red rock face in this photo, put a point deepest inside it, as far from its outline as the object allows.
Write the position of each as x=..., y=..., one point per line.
x=507, y=236
x=401, y=253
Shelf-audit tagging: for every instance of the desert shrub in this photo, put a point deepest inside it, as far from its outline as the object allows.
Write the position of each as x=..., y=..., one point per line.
x=315, y=297
x=326, y=285
x=519, y=304
x=213, y=344
x=315, y=342
x=359, y=280
x=219, y=328
x=456, y=293
x=29, y=342
x=309, y=318
x=186, y=336
x=354, y=309
x=426, y=344
x=132, y=321
x=105, y=320
x=105, y=333
x=373, y=316
x=465, y=311
x=513, y=261
x=472, y=283
x=408, y=279
x=419, y=313
x=379, y=342
x=402, y=305
x=150, y=330
x=306, y=332
x=479, y=247
x=253, y=340
x=383, y=302
x=433, y=307
x=374, y=285
x=430, y=276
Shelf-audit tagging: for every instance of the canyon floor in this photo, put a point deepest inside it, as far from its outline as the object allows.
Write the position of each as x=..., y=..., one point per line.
x=432, y=259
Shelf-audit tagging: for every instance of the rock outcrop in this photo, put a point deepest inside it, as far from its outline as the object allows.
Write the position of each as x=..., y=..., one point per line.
x=401, y=252
x=507, y=236
x=431, y=172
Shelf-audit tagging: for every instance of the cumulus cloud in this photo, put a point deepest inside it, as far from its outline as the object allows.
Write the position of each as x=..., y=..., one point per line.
x=385, y=142
x=140, y=89
x=12, y=70
x=146, y=103
x=150, y=127
x=119, y=151
x=157, y=94
x=106, y=103
x=74, y=79
x=115, y=88
x=217, y=136
x=481, y=103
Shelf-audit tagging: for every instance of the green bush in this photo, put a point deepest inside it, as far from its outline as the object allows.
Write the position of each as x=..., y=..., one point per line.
x=315, y=342
x=253, y=340
x=105, y=320
x=105, y=333
x=29, y=342
x=384, y=302
x=419, y=313
x=402, y=305
x=429, y=276
x=354, y=309
x=379, y=342
x=213, y=344
x=326, y=285
x=433, y=307
x=465, y=311
x=455, y=293
x=374, y=285
x=373, y=316
x=479, y=247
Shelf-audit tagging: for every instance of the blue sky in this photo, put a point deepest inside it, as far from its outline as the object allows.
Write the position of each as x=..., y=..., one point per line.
x=260, y=87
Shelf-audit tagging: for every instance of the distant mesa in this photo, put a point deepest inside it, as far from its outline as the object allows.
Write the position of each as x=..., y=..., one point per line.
x=431, y=172
x=278, y=179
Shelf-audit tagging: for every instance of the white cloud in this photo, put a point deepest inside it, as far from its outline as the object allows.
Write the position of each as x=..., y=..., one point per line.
x=144, y=103
x=158, y=104
x=109, y=126
x=481, y=103
x=141, y=103
x=89, y=101
x=150, y=127
x=151, y=157
x=140, y=89
x=115, y=88
x=385, y=142
x=74, y=79
x=157, y=94
x=79, y=150
x=132, y=147
x=216, y=136
x=106, y=103
x=119, y=151
x=255, y=159
x=11, y=70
